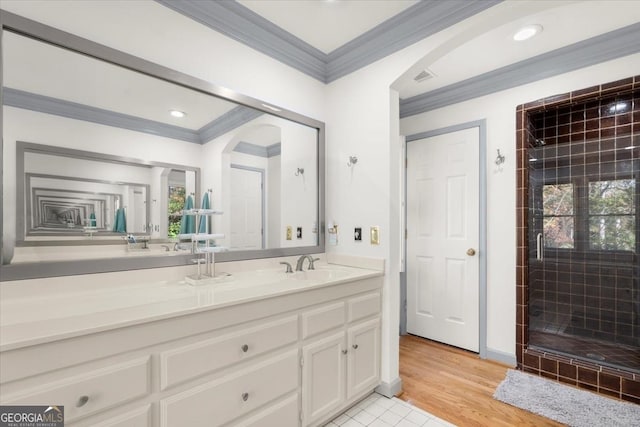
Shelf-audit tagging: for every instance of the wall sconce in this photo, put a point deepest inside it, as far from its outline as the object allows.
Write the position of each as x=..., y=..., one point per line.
x=499, y=159
x=300, y=171
x=352, y=161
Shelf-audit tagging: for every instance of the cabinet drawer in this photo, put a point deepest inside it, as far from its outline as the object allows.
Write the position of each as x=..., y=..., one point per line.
x=322, y=319
x=364, y=306
x=218, y=402
x=282, y=414
x=92, y=391
x=190, y=361
x=140, y=417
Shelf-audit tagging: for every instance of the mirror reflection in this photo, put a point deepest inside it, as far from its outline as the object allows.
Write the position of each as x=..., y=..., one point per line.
x=96, y=154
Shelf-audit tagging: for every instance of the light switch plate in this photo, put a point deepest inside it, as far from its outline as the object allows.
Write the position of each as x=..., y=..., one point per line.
x=375, y=235
x=289, y=232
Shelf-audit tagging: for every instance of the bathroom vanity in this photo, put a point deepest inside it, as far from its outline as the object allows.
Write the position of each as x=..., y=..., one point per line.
x=257, y=348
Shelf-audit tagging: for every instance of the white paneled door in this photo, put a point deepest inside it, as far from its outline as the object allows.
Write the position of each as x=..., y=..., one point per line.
x=442, y=238
x=246, y=209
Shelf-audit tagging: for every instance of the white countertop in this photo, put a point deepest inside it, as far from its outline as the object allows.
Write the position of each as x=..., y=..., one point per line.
x=36, y=319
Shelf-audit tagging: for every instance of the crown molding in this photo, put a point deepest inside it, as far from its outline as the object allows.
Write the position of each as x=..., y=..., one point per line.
x=72, y=110
x=240, y=23
x=44, y=104
x=602, y=48
x=258, y=150
x=420, y=21
x=227, y=122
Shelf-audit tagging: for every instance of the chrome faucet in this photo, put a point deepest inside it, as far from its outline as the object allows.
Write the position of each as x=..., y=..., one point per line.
x=300, y=262
x=289, y=270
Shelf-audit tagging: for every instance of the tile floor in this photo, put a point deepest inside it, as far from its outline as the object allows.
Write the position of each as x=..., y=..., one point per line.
x=379, y=411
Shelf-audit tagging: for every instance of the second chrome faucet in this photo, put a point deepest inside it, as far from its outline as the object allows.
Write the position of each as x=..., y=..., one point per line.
x=300, y=263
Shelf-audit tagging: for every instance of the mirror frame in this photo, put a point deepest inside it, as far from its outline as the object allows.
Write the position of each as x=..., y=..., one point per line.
x=44, y=33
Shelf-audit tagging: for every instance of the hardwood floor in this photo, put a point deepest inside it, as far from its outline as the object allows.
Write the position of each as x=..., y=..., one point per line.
x=457, y=386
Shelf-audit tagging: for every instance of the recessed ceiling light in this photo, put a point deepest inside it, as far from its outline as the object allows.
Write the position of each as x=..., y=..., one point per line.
x=177, y=113
x=526, y=32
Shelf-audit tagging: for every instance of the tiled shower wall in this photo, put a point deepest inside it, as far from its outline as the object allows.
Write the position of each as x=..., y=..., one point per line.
x=579, y=123
x=586, y=299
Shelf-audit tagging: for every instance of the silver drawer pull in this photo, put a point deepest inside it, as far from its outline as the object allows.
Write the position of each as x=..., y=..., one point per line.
x=344, y=351
x=82, y=401
x=245, y=348
x=355, y=346
x=245, y=396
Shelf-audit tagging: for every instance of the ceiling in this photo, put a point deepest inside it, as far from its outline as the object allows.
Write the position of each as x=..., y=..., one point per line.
x=330, y=39
x=327, y=24
x=473, y=46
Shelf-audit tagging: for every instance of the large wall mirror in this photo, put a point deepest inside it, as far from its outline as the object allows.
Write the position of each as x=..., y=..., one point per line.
x=103, y=153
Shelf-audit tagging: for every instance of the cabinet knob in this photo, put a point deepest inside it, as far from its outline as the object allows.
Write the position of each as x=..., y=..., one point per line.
x=245, y=396
x=344, y=351
x=355, y=346
x=245, y=348
x=82, y=400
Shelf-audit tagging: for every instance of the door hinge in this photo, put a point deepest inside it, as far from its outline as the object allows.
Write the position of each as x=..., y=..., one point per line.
x=406, y=234
x=301, y=361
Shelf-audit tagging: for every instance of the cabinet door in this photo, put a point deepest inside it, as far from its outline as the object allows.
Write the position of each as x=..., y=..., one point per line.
x=323, y=376
x=363, y=357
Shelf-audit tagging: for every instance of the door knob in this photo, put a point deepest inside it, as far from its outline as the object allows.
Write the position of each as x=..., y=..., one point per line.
x=471, y=252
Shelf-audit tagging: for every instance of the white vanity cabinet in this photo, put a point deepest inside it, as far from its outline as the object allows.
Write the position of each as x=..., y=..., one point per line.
x=342, y=366
x=293, y=359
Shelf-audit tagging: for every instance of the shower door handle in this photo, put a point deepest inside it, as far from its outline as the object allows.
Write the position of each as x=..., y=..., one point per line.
x=539, y=247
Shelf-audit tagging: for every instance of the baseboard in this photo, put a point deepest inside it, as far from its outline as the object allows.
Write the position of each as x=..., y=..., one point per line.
x=502, y=357
x=390, y=389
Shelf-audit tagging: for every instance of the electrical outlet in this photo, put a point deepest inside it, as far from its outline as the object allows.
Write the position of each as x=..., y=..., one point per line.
x=289, y=232
x=299, y=233
x=357, y=234
x=375, y=235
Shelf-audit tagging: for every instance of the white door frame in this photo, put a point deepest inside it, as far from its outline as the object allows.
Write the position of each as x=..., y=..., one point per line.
x=482, y=253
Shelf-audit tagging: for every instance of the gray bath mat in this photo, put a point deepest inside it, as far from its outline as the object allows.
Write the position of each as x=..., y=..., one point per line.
x=567, y=405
